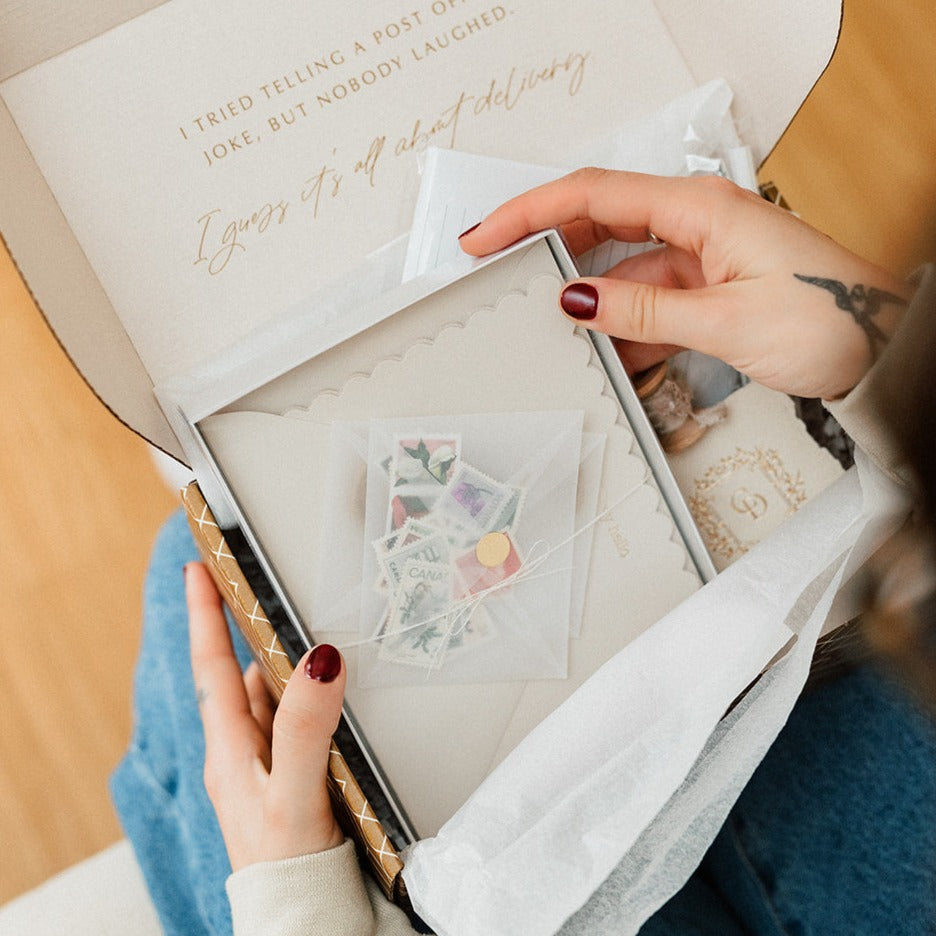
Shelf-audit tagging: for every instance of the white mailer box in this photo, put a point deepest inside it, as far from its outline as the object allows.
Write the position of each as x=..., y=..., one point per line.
x=182, y=184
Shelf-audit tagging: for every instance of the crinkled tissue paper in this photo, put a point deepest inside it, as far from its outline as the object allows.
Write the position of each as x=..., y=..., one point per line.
x=623, y=787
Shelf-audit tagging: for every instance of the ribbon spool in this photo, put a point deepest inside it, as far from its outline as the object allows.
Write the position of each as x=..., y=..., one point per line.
x=668, y=403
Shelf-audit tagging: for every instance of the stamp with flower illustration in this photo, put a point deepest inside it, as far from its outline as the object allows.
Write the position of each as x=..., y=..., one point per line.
x=417, y=631
x=473, y=501
x=424, y=460
x=420, y=467
x=432, y=550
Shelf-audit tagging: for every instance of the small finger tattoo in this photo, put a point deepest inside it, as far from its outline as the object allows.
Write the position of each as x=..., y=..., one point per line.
x=201, y=693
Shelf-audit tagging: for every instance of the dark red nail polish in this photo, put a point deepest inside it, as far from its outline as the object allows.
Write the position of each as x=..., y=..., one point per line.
x=580, y=300
x=473, y=227
x=323, y=664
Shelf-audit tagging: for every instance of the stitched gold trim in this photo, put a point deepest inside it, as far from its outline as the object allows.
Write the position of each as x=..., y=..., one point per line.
x=351, y=806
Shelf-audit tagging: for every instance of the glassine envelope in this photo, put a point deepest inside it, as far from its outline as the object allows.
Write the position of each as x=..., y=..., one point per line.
x=336, y=598
x=527, y=463
x=435, y=744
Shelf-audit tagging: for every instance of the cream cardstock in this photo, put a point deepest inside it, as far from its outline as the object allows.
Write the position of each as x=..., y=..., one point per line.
x=514, y=354
x=752, y=471
x=218, y=162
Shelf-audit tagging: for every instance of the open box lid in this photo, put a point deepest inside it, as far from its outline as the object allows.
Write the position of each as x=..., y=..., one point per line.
x=96, y=177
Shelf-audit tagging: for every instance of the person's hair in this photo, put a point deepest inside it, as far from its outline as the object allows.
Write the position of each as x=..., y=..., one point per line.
x=901, y=622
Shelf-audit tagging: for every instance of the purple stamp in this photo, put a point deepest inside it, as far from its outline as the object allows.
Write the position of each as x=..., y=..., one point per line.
x=473, y=500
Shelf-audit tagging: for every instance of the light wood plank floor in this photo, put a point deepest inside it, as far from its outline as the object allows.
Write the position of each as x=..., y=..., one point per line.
x=858, y=159
x=81, y=501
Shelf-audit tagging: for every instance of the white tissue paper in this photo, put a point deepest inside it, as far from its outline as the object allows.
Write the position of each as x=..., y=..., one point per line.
x=625, y=785
x=692, y=135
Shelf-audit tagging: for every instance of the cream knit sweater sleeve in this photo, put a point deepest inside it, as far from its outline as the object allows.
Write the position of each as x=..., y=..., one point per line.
x=312, y=895
x=855, y=412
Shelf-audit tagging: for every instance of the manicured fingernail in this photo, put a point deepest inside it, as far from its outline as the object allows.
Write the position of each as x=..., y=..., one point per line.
x=473, y=227
x=323, y=664
x=580, y=300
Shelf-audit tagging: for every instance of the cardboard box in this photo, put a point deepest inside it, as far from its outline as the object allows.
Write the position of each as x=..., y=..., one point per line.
x=137, y=303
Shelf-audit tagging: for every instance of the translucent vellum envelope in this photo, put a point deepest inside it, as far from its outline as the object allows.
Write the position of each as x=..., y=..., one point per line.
x=335, y=575
x=514, y=475
x=335, y=595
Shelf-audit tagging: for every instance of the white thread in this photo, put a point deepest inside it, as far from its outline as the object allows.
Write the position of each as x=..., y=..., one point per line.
x=464, y=608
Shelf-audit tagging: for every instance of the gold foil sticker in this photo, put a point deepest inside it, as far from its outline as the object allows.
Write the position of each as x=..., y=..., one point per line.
x=492, y=549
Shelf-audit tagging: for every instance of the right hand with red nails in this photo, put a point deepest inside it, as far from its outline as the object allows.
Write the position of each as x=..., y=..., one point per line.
x=735, y=277
x=264, y=771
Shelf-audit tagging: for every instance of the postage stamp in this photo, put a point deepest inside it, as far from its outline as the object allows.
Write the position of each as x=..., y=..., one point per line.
x=432, y=549
x=424, y=459
x=396, y=539
x=509, y=515
x=388, y=543
x=473, y=500
x=418, y=629
x=420, y=468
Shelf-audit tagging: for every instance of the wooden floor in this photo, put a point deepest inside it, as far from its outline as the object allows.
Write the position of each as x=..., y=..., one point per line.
x=859, y=159
x=80, y=501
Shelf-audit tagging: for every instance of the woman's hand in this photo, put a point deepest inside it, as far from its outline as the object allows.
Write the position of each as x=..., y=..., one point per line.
x=265, y=773
x=737, y=278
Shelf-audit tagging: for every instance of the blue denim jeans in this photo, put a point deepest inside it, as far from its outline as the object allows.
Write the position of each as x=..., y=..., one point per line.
x=834, y=835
